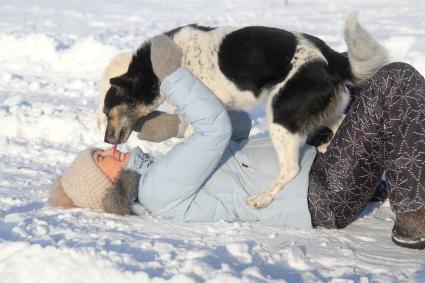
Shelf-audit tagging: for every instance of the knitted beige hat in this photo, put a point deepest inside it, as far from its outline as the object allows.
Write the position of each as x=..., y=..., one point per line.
x=84, y=182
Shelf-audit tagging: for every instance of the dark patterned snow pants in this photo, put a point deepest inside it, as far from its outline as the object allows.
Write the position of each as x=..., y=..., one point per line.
x=384, y=130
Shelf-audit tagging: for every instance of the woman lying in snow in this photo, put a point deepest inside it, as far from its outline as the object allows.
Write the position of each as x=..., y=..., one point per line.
x=210, y=176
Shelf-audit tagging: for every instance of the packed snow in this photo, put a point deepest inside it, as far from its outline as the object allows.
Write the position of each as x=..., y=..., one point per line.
x=51, y=60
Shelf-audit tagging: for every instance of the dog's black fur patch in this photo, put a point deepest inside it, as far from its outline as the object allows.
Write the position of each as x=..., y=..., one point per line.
x=304, y=97
x=138, y=85
x=338, y=63
x=256, y=57
x=320, y=136
x=141, y=66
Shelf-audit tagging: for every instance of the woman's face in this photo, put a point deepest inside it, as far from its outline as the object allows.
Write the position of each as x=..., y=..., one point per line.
x=110, y=162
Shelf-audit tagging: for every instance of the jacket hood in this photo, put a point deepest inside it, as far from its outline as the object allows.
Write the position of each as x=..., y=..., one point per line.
x=121, y=196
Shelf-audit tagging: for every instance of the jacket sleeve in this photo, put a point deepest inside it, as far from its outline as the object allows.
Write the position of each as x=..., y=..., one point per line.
x=241, y=126
x=171, y=183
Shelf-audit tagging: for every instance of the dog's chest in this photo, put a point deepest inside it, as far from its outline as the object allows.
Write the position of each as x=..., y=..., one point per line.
x=200, y=56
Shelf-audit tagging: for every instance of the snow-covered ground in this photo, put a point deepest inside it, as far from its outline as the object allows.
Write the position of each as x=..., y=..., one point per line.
x=52, y=54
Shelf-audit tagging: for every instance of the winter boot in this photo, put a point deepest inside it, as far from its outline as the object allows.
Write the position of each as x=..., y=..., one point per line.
x=409, y=229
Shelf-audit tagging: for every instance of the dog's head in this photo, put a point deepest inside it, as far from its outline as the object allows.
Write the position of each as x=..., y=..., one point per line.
x=122, y=108
x=131, y=96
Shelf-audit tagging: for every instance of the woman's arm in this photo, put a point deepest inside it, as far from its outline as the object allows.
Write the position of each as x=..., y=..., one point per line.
x=159, y=126
x=170, y=184
x=241, y=126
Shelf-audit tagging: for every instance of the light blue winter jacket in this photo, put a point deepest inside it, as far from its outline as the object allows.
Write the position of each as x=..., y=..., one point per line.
x=210, y=176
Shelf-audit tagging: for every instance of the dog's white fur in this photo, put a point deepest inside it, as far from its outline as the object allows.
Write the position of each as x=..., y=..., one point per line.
x=200, y=56
x=200, y=51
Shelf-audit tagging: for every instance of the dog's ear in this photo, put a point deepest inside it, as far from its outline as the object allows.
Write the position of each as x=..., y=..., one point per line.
x=122, y=81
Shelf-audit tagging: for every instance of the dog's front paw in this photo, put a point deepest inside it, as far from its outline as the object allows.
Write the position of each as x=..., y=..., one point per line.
x=260, y=201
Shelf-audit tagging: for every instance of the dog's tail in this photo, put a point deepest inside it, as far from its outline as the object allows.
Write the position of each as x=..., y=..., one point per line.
x=365, y=54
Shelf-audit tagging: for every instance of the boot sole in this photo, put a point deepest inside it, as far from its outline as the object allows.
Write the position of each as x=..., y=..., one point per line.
x=406, y=243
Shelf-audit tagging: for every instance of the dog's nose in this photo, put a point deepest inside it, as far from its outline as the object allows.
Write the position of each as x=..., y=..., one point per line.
x=107, y=139
x=115, y=137
x=110, y=137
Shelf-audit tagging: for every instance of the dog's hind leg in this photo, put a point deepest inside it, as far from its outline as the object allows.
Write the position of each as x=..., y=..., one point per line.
x=287, y=146
x=343, y=98
x=334, y=127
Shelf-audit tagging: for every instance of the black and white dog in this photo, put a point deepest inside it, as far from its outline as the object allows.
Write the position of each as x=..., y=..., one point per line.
x=297, y=76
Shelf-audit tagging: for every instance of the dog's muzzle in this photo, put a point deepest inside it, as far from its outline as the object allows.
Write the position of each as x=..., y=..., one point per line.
x=117, y=135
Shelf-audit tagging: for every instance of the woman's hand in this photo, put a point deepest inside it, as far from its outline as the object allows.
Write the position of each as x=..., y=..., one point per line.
x=166, y=56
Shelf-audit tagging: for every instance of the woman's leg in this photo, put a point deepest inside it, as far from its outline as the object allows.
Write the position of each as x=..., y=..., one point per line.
x=384, y=129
